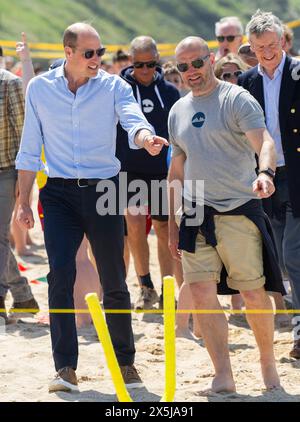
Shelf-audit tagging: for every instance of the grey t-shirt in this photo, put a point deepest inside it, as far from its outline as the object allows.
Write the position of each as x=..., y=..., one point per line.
x=210, y=131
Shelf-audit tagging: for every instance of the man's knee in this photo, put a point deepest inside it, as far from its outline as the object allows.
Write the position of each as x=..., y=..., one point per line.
x=136, y=223
x=256, y=296
x=161, y=229
x=203, y=293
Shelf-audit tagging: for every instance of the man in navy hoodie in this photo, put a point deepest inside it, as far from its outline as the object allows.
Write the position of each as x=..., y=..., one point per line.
x=155, y=97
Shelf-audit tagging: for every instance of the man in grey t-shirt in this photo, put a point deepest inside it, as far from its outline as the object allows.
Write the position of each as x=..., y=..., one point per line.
x=215, y=132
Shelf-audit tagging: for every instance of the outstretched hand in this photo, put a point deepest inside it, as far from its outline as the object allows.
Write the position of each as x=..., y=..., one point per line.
x=153, y=144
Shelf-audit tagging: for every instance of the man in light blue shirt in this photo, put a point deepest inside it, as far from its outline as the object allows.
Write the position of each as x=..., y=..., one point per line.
x=73, y=111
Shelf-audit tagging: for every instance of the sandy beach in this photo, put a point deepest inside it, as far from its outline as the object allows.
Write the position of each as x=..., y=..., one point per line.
x=26, y=365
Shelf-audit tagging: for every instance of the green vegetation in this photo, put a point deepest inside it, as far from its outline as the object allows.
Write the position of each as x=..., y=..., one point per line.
x=118, y=21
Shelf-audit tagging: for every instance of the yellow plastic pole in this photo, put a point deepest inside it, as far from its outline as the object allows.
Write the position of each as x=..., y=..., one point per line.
x=104, y=337
x=169, y=329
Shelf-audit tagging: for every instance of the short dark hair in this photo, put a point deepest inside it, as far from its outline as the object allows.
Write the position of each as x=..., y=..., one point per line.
x=120, y=56
x=70, y=38
x=1, y=51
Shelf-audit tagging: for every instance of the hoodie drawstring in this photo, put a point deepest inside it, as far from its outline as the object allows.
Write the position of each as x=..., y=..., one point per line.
x=159, y=97
x=139, y=99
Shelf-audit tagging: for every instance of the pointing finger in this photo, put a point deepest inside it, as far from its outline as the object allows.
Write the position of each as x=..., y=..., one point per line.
x=24, y=38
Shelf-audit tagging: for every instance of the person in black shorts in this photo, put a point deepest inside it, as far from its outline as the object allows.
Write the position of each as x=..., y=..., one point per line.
x=155, y=97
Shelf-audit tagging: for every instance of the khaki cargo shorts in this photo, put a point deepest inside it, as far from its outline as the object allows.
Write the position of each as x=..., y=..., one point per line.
x=239, y=248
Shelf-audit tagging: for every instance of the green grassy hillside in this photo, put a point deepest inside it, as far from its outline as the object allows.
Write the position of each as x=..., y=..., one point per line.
x=118, y=21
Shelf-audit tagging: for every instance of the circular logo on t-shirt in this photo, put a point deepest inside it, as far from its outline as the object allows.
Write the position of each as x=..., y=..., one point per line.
x=198, y=119
x=148, y=105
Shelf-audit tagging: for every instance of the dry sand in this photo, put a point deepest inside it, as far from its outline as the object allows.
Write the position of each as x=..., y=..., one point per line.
x=26, y=365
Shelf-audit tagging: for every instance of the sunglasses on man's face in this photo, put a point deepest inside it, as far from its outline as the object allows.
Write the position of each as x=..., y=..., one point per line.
x=88, y=54
x=150, y=65
x=197, y=64
x=229, y=38
x=229, y=75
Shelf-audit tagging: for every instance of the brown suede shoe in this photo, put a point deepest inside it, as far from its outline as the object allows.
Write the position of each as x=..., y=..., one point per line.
x=65, y=380
x=2, y=310
x=295, y=352
x=24, y=309
x=131, y=377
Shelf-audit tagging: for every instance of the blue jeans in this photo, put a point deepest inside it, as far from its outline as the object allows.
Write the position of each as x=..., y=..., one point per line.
x=287, y=235
x=69, y=213
x=10, y=278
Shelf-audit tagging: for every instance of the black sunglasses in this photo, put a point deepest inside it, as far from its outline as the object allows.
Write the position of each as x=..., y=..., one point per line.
x=229, y=38
x=197, y=64
x=229, y=75
x=150, y=65
x=88, y=54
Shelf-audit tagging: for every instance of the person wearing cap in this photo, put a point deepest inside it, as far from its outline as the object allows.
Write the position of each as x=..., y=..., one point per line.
x=247, y=55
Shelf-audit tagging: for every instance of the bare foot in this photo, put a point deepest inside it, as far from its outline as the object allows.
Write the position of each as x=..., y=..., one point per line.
x=43, y=319
x=223, y=383
x=270, y=375
x=184, y=333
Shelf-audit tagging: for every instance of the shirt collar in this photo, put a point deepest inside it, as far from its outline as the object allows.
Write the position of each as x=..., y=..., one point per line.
x=60, y=70
x=279, y=68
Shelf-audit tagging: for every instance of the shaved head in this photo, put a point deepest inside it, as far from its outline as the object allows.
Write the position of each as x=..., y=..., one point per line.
x=196, y=62
x=191, y=43
x=71, y=34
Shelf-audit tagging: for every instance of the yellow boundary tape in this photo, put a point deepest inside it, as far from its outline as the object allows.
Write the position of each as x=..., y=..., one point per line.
x=169, y=328
x=156, y=311
x=54, y=51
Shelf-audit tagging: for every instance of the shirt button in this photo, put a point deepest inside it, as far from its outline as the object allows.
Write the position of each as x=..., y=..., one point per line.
x=293, y=110
x=295, y=130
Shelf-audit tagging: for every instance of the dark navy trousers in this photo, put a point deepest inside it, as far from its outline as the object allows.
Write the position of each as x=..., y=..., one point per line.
x=287, y=234
x=69, y=213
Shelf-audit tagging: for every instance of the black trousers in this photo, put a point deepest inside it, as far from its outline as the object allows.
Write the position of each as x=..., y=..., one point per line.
x=69, y=213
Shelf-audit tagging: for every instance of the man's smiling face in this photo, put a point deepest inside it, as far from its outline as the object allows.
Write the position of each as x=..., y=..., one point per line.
x=268, y=49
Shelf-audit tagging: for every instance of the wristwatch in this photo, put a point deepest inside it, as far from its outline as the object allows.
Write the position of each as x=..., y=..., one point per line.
x=268, y=171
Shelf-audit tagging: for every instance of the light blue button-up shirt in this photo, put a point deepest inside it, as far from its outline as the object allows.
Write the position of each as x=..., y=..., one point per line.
x=271, y=97
x=78, y=131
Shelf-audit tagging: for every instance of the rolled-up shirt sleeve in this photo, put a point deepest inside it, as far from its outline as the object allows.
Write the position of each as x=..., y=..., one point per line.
x=130, y=115
x=29, y=155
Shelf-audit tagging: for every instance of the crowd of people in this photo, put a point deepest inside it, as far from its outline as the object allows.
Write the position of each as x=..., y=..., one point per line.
x=134, y=123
